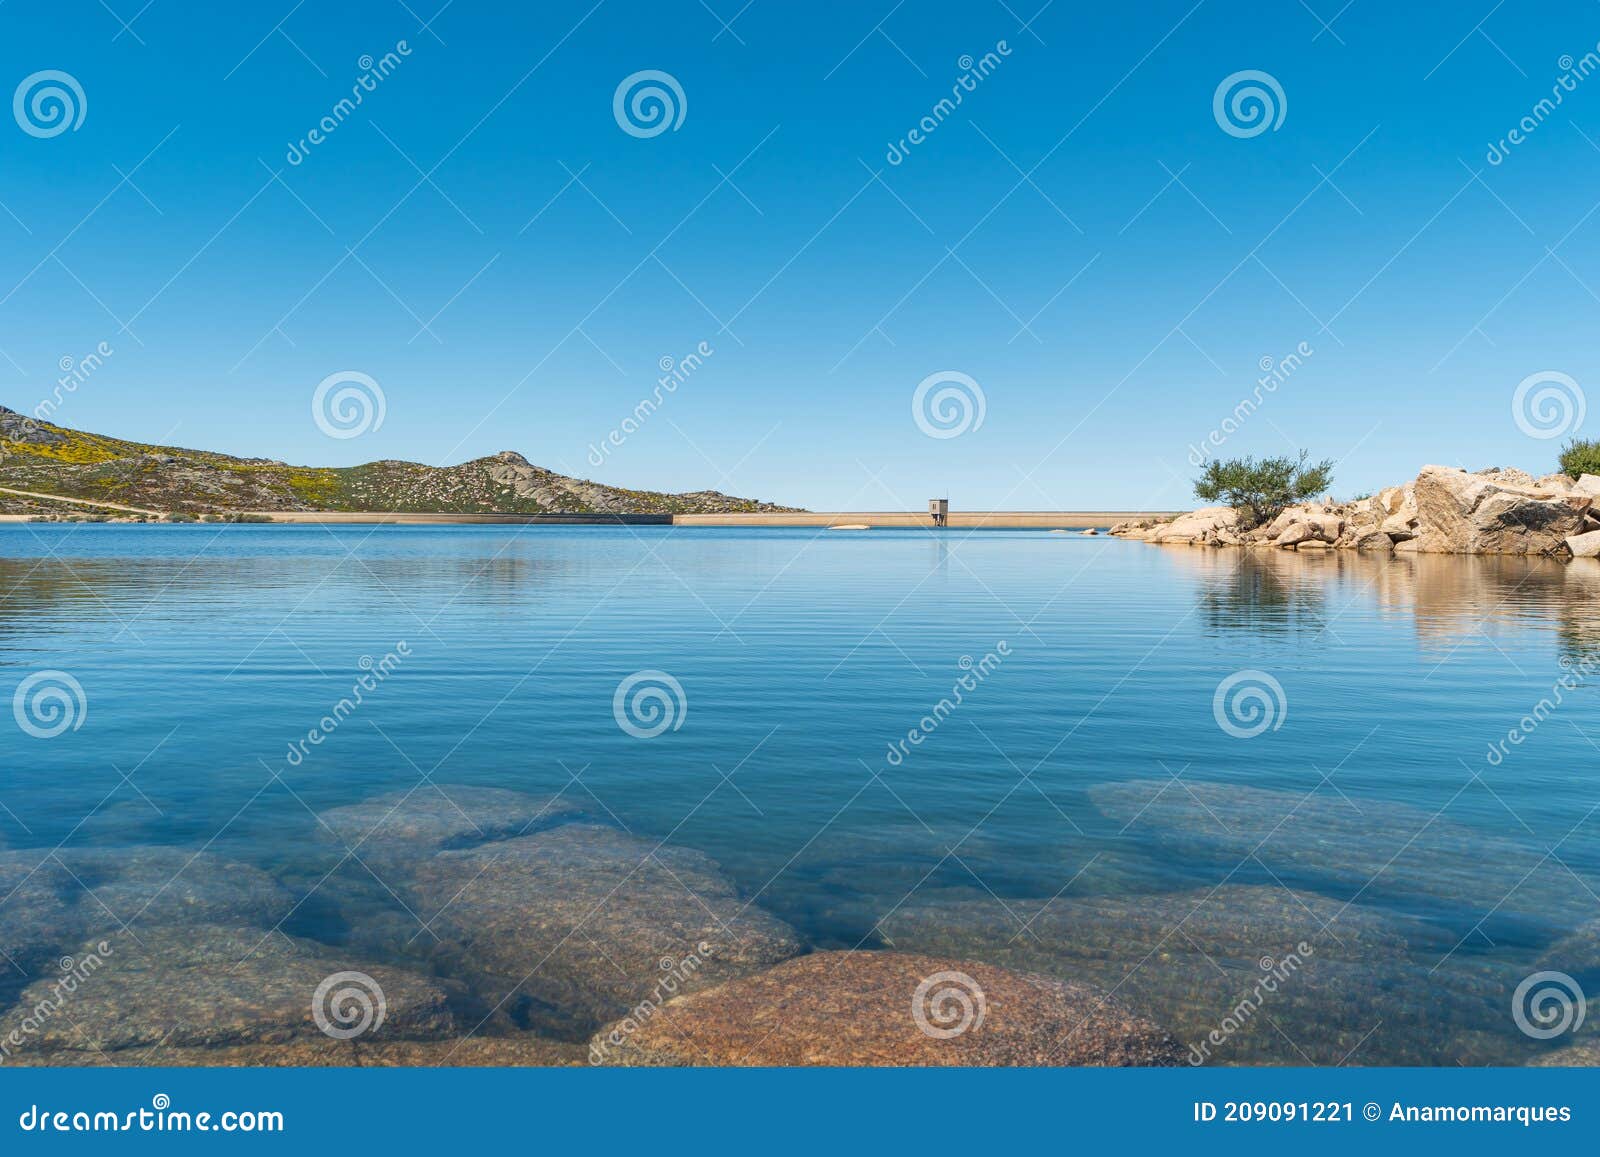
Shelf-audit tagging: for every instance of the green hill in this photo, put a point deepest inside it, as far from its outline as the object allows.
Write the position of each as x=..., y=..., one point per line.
x=53, y=460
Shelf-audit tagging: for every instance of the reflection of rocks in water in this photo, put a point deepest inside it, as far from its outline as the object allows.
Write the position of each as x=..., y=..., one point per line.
x=1579, y=609
x=397, y=829
x=205, y=985
x=1448, y=597
x=1283, y=977
x=524, y=1050
x=1384, y=849
x=574, y=926
x=150, y=886
x=871, y=1008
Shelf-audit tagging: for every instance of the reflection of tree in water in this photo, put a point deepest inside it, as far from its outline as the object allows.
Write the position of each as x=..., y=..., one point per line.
x=1255, y=591
x=1448, y=598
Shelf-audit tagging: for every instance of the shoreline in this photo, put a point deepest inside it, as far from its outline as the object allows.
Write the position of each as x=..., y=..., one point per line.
x=969, y=520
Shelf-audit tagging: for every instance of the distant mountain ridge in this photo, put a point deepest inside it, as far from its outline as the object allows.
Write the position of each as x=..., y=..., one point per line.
x=48, y=459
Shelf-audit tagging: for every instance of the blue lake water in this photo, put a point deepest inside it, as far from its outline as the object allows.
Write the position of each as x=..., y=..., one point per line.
x=1088, y=809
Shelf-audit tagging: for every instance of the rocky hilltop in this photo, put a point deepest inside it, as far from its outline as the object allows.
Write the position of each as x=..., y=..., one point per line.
x=46, y=459
x=1444, y=511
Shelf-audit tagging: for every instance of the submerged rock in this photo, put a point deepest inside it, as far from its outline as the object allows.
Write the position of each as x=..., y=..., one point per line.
x=524, y=1050
x=1578, y=1056
x=1381, y=850
x=572, y=927
x=1241, y=973
x=37, y=924
x=207, y=986
x=888, y=1008
x=400, y=827
x=145, y=886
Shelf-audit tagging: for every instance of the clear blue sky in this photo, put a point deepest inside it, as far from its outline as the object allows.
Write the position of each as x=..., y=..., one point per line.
x=1113, y=307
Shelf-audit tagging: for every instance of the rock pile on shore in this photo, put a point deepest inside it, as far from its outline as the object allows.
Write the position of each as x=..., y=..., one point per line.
x=1444, y=511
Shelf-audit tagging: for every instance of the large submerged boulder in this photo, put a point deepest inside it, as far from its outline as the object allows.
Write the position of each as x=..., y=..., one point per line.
x=433, y=817
x=572, y=927
x=1335, y=845
x=145, y=886
x=207, y=986
x=1241, y=973
x=888, y=1008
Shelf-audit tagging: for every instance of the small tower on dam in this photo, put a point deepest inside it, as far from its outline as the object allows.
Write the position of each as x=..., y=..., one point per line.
x=939, y=511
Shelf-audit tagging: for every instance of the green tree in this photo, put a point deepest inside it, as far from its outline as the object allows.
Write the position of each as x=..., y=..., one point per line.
x=1261, y=490
x=1580, y=458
